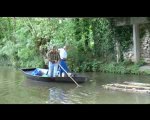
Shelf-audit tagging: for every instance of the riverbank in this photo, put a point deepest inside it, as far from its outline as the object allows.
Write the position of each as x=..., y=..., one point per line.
x=125, y=67
x=145, y=69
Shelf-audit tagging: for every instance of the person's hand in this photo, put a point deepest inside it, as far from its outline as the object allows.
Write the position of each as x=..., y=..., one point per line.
x=64, y=58
x=69, y=74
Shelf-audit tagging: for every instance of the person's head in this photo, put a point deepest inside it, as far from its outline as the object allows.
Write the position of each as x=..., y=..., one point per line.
x=66, y=47
x=54, y=48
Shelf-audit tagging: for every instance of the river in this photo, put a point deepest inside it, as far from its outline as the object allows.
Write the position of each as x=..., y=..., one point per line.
x=16, y=89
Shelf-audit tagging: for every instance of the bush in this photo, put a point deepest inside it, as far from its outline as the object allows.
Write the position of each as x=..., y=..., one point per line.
x=141, y=63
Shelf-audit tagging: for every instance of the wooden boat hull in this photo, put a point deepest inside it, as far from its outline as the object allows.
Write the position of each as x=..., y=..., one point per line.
x=27, y=73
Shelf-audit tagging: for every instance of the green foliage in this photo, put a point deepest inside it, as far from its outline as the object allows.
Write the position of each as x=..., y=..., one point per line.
x=4, y=60
x=141, y=62
x=24, y=42
x=102, y=35
x=99, y=66
x=123, y=36
x=121, y=68
x=127, y=62
x=146, y=72
x=134, y=69
x=96, y=66
x=109, y=67
x=143, y=29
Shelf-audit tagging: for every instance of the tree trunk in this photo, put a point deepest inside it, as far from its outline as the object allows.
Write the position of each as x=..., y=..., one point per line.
x=118, y=52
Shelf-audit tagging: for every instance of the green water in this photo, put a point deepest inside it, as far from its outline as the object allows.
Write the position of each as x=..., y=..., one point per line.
x=16, y=89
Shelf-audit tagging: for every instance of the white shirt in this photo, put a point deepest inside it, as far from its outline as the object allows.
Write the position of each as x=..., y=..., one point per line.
x=63, y=53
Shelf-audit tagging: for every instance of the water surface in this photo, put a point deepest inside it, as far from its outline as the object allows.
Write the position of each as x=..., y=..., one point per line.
x=15, y=88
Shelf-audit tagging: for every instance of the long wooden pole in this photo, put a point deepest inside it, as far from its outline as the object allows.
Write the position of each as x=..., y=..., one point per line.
x=69, y=76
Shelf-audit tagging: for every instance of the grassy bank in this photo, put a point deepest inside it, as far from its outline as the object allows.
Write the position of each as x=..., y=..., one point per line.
x=126, y=67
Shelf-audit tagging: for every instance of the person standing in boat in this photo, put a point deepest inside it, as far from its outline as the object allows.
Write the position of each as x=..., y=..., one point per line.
x=63, y=59
x=53, y=57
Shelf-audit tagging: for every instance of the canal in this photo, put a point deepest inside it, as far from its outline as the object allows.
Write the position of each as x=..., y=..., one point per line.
x=16, y=89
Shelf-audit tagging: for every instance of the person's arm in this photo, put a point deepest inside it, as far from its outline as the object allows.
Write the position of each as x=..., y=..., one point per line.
x=49, y=56
x=58, y=57
x=59, y=50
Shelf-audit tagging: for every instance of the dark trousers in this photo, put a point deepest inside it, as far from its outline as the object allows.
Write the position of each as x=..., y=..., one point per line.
x=65, y=67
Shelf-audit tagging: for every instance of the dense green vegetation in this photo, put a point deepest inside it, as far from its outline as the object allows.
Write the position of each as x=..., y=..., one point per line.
x=24, y=42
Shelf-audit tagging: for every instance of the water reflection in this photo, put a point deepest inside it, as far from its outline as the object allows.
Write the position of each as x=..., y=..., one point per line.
x=57, y=96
